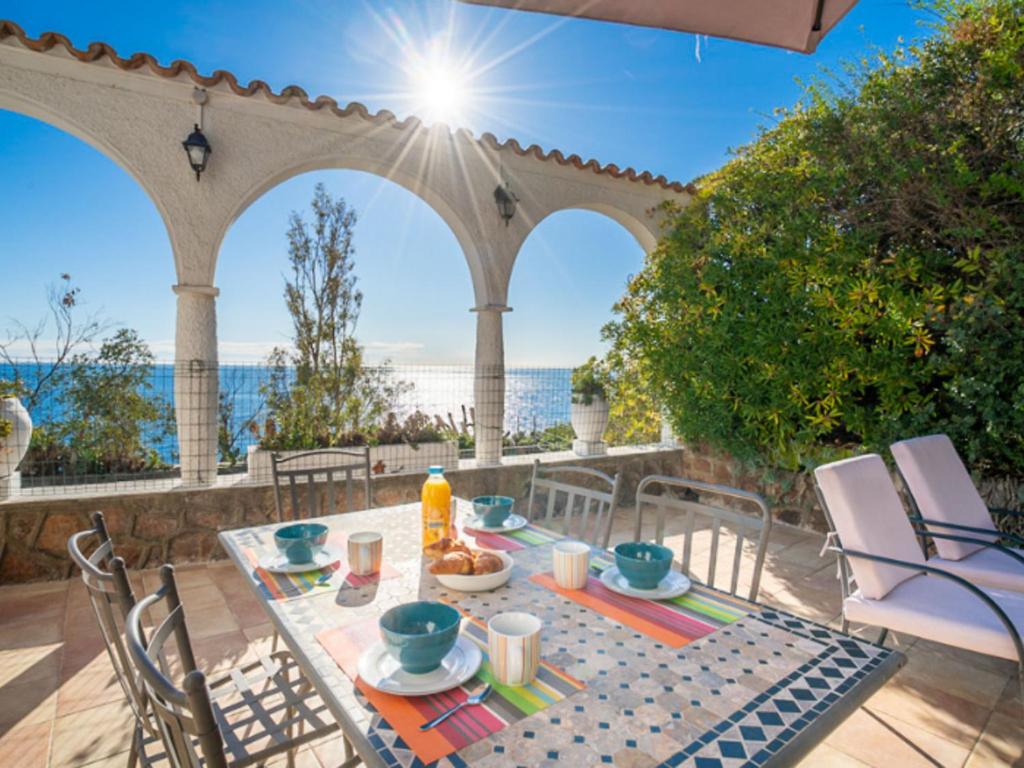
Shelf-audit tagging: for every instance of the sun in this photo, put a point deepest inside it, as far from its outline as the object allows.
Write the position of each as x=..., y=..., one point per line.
x=441, y=93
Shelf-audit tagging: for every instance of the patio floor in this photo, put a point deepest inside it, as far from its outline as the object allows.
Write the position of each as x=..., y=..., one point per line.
x=60, y=705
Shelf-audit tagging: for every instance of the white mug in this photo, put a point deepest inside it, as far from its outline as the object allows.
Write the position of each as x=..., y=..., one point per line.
x=513, y=645
x=571, y=564
x=365, y=552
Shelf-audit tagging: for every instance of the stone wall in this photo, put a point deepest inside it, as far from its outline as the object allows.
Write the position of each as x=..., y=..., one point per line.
x=177, y=526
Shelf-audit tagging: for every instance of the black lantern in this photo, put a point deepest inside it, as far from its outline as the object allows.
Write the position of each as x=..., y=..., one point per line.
x=198, y=150
x=506, y=201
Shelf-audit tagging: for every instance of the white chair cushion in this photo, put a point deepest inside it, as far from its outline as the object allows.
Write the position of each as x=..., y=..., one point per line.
x=869, y=518
x=987, y=568
x=937, y=609
x=943, y=490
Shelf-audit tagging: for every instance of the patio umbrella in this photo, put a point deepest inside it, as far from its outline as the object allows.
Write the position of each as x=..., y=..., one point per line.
x=798, y=25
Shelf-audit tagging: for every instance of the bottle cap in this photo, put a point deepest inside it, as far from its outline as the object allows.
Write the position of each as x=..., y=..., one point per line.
x=436, y=470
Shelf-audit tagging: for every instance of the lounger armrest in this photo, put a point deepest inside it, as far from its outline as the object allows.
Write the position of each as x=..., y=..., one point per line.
x=971, y=540
x=930, y=570
x=918, y=522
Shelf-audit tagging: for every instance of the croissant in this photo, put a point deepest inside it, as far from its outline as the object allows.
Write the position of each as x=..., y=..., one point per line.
x=444, y=546
x=454, y=563
x=487, y=562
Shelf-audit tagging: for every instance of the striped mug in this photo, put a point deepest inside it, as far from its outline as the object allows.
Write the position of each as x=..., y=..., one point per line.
x=513, y=645
x=571, y=564
x=365, y=552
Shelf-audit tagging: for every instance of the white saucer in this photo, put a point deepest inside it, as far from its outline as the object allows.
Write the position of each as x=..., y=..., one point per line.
x=380, y=670
x=278, y=563
x=673, y=585
x=512, y=523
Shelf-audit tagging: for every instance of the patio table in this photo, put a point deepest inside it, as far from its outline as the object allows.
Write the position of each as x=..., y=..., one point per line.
x=762, y=688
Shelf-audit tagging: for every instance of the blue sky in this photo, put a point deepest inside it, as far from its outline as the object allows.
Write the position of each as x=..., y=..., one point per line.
x=625, y=95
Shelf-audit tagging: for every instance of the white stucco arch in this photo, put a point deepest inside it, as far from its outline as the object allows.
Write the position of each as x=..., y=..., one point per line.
x=433, y=198
x=17, y=104
x=137, y=112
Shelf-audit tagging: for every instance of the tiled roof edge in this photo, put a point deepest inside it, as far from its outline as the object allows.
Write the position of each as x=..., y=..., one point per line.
x=97, y=51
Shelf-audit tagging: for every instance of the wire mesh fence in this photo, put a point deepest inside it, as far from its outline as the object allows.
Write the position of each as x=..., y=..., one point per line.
x=107, y=427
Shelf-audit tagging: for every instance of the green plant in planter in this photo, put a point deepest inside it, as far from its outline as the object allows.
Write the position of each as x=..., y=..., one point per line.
x=589, y=380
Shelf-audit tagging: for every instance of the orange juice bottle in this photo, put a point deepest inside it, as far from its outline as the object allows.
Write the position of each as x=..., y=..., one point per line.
x=437, y=506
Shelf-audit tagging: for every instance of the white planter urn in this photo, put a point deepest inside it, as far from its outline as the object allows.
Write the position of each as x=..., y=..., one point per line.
x=589, y=423
x=13, y=447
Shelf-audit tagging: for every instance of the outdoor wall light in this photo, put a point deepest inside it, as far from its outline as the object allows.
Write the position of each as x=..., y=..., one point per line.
x=506, y=201
x=198, y=150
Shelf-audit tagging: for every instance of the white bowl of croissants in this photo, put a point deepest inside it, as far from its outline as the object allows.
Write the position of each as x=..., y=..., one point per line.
x=468, y=570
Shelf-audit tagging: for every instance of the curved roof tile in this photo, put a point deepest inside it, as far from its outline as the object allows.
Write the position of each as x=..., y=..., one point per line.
x=96, y=51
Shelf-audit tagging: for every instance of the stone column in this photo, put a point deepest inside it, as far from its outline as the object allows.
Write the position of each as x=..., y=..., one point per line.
x=195, y=382
x=489, y=384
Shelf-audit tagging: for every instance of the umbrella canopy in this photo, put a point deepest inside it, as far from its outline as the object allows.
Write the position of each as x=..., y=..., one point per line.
x=798, y=25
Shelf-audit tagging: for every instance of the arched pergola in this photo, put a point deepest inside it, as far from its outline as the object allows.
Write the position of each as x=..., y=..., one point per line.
x=137, y=112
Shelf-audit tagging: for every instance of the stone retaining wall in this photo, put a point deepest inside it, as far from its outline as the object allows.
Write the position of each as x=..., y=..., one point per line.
x=181, y=525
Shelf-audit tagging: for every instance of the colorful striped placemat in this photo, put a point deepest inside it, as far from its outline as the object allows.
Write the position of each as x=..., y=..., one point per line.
x=512, y=541
x=285, y=586
x=675, y=622
x=405, y=715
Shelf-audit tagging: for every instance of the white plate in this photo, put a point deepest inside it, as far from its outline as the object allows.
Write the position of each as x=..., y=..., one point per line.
x=278, y=563
x=512, y=523
x=380, y=670
x=673, y=585
x=482, y=583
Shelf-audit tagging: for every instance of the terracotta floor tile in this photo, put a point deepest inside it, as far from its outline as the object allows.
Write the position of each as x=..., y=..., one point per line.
x=933, y=710
x=879, y=739
x=306, y=758
x=954, y=677
x=1001, y=743
x=212, y=620
x=248, y=611
x=26, y=746
x=94, y=684
x=27, y=703
x=25, y=634
x=91, y=735
x=37, y=663
x=202, y=596
x=829, y=757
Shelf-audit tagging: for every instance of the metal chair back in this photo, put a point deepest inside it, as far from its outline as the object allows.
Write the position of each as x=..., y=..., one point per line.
x=314, y=474
x=184, y=717
x=110, y=593
x=586, y=512
x=688, y=503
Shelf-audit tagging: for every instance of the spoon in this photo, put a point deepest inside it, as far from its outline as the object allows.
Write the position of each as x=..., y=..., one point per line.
x=476, y=698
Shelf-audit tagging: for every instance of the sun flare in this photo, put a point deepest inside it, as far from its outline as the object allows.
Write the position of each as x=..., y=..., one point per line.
x=441, y=93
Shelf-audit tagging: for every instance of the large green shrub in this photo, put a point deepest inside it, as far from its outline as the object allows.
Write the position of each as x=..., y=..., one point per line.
x=856, y=275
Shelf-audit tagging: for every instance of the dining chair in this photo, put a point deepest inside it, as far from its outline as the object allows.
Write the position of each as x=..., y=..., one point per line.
x=110, y=593
x=695, y=500
x=947, y=505
x=241, y=719
x=886, y=581
x=586, y=511
x=314, y=474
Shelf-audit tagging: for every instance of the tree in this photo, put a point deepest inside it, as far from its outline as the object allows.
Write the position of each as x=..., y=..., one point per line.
x=326, y=394
x=856, y=275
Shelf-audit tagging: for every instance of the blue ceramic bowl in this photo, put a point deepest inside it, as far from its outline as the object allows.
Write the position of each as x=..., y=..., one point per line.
x=301, y=542
x=420, y=634
x=643, y=564
x=493, y=510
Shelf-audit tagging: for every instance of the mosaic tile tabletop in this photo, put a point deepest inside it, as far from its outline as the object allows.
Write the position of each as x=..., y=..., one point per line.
x=760, y=691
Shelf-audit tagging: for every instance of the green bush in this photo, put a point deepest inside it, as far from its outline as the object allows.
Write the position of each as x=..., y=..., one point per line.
x=589, y=381
x=856, y=275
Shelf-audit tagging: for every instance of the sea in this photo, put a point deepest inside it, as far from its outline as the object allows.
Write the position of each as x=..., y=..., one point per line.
x=535, y=398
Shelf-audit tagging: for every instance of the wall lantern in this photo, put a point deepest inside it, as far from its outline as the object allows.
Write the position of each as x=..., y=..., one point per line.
x=506, y=201
x=198, y=150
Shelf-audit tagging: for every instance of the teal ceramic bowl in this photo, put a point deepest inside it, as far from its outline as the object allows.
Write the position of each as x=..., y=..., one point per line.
x=643, y=564
x=493, y=510
x=301, y=542
x=419, y=635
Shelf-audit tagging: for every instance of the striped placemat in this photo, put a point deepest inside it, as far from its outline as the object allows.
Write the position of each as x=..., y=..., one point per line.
x=285, y=586
x=675, y=622
x=512, y=541
x=405, y=715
